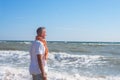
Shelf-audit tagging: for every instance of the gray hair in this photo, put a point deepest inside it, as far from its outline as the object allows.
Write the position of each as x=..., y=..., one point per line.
x=39, y=30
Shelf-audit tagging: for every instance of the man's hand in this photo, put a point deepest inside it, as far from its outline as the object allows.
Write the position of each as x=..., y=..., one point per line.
x=45, y=77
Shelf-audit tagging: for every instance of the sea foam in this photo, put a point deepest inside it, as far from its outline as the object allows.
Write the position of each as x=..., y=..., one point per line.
x=11, y=69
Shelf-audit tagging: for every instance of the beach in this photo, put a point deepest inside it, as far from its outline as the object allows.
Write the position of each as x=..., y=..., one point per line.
x=67, y=60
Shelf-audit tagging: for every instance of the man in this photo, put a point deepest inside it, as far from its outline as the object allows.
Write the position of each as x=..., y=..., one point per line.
x=39, y=56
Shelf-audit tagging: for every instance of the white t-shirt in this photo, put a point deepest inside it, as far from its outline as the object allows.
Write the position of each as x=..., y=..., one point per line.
x=36, y=48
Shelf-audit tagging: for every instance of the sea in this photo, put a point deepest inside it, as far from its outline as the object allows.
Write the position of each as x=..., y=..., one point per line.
x=68, y=60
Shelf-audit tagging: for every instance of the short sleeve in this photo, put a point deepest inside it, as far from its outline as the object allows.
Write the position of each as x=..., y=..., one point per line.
x=39, y=48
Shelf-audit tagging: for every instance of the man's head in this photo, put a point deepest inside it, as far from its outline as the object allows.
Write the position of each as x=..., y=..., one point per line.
x=41, y=31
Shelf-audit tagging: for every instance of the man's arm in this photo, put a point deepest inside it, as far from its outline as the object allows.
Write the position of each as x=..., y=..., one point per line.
x=39, y=57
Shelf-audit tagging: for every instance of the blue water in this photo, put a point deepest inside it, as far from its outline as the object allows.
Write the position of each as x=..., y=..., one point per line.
x=67, y=60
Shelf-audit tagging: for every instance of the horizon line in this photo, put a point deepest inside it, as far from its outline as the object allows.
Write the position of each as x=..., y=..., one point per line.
x=60, y=41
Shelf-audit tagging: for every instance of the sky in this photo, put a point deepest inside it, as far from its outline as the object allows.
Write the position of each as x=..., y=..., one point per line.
x=65, y=20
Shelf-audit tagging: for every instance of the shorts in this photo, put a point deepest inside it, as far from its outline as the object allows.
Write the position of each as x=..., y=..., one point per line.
x=37, y=77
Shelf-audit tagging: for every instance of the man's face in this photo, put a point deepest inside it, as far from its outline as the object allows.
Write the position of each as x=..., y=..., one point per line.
x=43, y=35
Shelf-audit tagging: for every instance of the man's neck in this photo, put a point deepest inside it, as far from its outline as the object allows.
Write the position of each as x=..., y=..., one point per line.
x=40, y=37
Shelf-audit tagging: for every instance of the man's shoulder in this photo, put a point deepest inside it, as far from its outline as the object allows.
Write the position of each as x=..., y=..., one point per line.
x=37, y=42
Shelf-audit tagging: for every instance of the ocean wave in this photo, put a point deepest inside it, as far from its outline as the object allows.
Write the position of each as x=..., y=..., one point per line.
x=25, y=42
x=20, y=57
x=14, y=58
x=76, y=59
x=62, y=66
x=11, y=73
x=11, y=56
